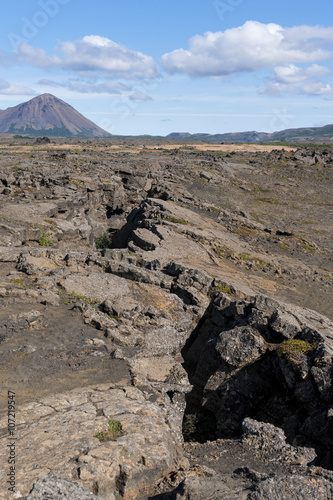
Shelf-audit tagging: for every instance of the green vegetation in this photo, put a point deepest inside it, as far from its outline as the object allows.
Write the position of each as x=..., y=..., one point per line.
x=46, y=240
x=295, y=350
x=222, y=252
x=260, y=189
x=103, y=241
x=266, y=199
x=73, y=296
x=113, y=432
x=76, y=182
x=309, y=247
x=190, y=424
x=21, y=283
x=254, y=216
x=284, y=246
x=223, y=288
x=245, y=256
x=175, y=220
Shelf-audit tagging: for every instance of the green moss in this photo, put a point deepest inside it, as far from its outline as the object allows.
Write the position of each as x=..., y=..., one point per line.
x=113, y=432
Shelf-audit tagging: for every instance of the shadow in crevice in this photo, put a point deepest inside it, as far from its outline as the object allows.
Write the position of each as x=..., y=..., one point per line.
x=261, y=386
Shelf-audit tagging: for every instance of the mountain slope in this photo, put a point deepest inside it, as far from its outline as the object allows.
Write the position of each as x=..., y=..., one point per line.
x=49, y=116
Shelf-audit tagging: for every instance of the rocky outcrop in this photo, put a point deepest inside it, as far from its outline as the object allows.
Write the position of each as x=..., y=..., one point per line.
x=166, y=364
x=263, y=359
x=63, y=429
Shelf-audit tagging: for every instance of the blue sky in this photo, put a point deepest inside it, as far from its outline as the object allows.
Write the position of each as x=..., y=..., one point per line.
x=156, y=67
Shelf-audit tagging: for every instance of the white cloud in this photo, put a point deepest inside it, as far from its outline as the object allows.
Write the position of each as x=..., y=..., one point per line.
x=91, y=53
x=317, y=88
x=250, y=47
x=140, y=96
x=112, y=88
x=298, y=80
x=294, y=74
x=36, y=57
x=7, y=88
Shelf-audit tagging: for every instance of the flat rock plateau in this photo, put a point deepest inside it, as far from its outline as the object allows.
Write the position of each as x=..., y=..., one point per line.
x=166, y=320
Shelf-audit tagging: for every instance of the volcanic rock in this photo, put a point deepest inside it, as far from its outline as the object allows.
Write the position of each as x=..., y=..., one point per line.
x=178, y=308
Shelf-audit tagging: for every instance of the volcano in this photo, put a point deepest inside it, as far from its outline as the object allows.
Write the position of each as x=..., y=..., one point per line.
x=46, y=115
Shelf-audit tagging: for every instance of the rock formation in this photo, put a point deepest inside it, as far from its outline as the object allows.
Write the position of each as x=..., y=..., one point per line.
x=165, y=321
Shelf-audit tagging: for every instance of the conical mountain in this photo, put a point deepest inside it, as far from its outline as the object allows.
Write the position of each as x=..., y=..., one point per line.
x=48, y=116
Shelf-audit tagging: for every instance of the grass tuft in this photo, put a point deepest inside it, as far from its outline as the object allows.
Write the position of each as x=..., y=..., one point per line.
x=114, y=431
x=295, y=350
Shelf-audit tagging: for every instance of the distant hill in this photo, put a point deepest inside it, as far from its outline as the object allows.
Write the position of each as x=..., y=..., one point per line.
x=178, y=135
x=315, y=134
x=48, y=116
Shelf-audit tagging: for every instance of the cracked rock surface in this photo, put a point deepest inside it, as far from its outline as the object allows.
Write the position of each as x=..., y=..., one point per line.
x=180, y=294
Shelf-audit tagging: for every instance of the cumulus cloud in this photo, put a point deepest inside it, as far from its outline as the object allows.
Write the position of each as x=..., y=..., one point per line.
x=298, y=80
x=250, y=47
x=7, y=88
x=91, y=53
x=112, y=88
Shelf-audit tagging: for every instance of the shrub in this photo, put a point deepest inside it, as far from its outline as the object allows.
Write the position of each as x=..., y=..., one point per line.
x=103, y=241
x=46, y=240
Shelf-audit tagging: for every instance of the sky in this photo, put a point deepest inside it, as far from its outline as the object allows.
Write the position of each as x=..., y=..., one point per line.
x=156, y=67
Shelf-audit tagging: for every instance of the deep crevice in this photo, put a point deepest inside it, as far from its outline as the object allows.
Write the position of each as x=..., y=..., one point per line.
x=263, y=385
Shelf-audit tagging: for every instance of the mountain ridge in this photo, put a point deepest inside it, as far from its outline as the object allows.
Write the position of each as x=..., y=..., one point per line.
x=47, y=115
x=301, y=135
